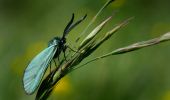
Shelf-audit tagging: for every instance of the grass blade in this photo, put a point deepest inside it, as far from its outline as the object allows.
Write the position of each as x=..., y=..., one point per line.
x=133, y=47
x=94, y=18
x=94, y=33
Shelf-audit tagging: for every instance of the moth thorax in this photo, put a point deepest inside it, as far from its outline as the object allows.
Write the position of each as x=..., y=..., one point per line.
x=54, y=41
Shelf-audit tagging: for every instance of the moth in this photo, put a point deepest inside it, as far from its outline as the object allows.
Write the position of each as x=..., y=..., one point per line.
x=36, y=69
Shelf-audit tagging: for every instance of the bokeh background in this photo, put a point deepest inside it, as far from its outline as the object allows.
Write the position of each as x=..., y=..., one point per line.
x=27, y=25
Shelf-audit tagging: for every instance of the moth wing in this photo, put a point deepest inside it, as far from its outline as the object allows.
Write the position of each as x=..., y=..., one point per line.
x=36, y=69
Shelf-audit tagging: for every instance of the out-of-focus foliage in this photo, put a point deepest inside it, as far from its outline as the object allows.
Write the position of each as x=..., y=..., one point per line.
x=27, y=25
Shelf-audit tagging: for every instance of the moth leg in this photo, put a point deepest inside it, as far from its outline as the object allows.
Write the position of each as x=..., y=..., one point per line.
x=73, y=49
x=55, y=63
x=65, y=57
x=50, y=67
x=64, y=49
x=58, y=60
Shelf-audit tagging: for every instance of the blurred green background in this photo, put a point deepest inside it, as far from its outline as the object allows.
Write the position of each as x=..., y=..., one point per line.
x=27, y=25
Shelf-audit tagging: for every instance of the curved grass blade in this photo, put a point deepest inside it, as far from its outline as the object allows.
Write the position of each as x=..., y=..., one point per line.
x=94, y=18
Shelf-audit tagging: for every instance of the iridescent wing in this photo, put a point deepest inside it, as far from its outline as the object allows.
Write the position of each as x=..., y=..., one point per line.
x=36, y=69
